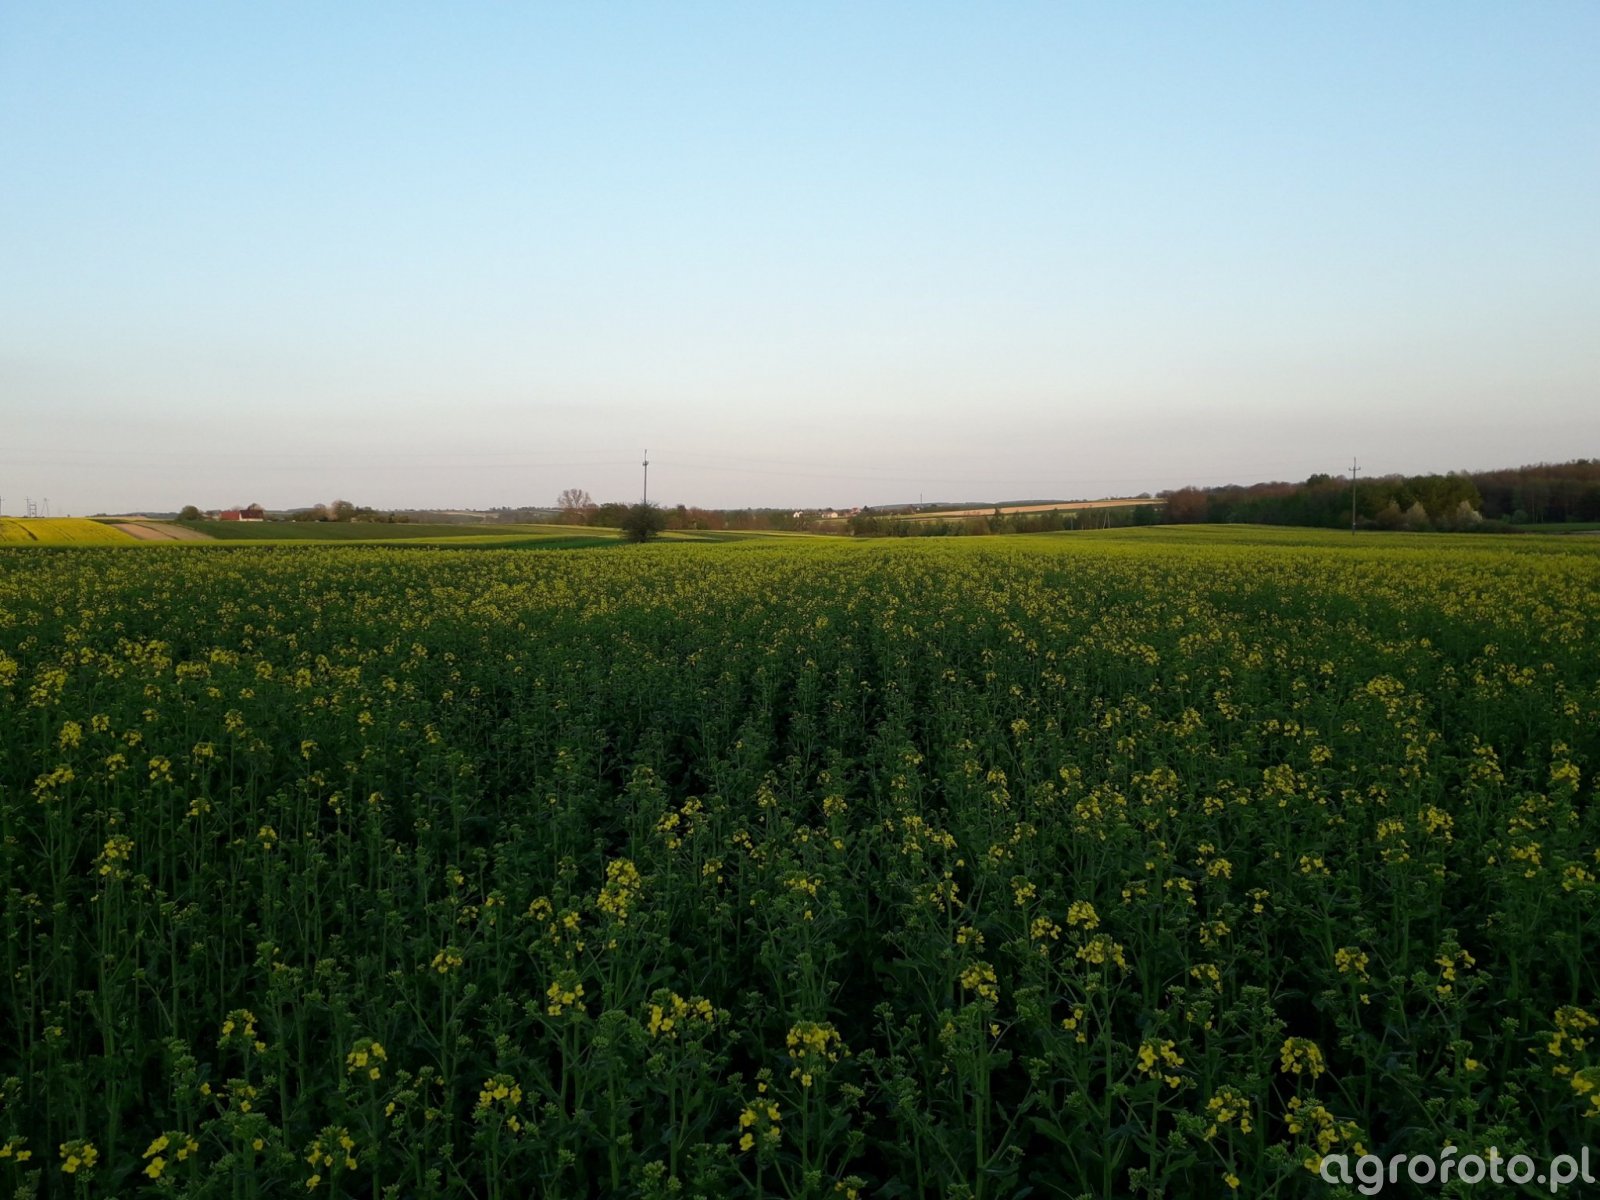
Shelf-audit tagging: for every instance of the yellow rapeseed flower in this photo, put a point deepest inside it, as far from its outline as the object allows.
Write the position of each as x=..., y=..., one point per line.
x=78, y=1155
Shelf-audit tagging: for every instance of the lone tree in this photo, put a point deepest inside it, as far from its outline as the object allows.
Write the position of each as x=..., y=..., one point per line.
x=189, y=513
x=576, y=505
x=643, y=522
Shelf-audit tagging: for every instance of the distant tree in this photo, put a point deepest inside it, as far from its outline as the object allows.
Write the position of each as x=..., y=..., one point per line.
x=576, y=505
x=610, y=514
x=1441, y=495
x=643, y=522
x=253, y=512
x=317, y=512
x=189, y=513
x=1186, y=506
x=1464, y=517
x=341, y=510
x=704, y=518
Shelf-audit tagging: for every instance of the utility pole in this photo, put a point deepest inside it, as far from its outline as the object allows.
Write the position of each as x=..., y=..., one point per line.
x=1352, y=497
x=646, y=497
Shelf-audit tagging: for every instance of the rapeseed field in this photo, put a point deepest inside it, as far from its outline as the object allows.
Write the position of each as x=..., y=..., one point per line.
x=1080, y=866
x=59, y=531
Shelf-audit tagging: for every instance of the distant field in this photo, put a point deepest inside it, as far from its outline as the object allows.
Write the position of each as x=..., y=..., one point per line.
x=731, y=535
x=371, y=531
x=478, y=536
x=1562, y=527
x=59, y=531
x=146, y=530
x=570, y=539
x=1198, y=537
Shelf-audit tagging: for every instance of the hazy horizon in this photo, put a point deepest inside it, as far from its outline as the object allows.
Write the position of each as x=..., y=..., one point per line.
x=923, y=498
x=828, y=255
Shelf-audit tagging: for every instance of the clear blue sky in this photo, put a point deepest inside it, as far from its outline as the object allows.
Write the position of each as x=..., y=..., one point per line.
x=463, y=255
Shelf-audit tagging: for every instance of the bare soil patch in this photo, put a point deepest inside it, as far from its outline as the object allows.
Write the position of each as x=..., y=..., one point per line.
x=160, y=531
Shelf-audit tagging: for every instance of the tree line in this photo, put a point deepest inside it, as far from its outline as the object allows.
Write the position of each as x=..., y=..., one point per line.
x=1541, y=493
x=870, y=524
x=337, y=510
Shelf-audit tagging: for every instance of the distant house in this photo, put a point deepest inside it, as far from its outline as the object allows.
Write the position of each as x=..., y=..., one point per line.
x=252, y=513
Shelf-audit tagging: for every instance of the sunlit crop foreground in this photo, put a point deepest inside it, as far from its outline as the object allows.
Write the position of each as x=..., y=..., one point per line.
x=1102, y=865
